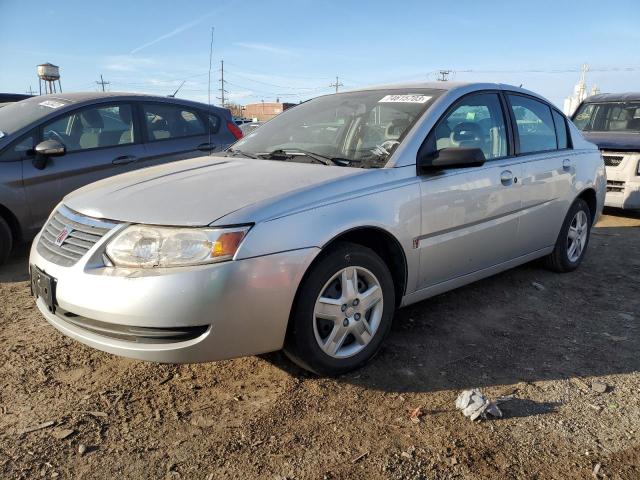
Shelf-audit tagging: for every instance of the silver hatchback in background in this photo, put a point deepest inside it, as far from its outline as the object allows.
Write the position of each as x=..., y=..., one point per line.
x=308, y=233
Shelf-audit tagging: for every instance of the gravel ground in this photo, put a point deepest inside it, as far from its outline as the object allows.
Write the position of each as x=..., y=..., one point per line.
x=67, y=411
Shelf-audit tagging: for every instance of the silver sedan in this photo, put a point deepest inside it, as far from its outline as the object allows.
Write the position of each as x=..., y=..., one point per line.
x=311, y=231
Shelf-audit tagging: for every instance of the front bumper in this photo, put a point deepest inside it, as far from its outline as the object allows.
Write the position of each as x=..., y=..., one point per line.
x=623, y=181
x=623, y=194
x=235, y=308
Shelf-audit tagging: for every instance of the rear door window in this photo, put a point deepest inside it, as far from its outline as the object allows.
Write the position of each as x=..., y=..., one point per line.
x=164, y=122
x=536, y=130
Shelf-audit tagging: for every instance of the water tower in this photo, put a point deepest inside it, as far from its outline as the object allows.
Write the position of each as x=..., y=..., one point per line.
x=49, y=74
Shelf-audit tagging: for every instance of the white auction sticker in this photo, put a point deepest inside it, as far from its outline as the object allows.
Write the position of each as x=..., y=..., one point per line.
x=51, y=104
x=405, y=99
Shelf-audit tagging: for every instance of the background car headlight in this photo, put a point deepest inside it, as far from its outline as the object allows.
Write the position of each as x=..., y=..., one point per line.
x=146, y=246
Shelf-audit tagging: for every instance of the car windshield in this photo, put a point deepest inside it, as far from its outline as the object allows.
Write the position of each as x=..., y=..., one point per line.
x=17, y=115
x=359, y=129
x=608, y=117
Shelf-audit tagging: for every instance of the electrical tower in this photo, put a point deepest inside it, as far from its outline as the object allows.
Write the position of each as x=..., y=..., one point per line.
x=222, y=90
x=102, y=82
x=337, y=84
x=444, y=75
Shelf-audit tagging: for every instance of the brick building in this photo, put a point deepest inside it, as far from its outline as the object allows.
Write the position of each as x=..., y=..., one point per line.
x=264, y=111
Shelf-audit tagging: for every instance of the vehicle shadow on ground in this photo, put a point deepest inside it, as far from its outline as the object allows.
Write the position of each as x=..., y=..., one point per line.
x=17, y=267
x=524, y=325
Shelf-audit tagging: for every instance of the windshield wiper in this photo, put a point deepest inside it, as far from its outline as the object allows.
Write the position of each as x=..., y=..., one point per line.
x=235, y=151
x=282, y=154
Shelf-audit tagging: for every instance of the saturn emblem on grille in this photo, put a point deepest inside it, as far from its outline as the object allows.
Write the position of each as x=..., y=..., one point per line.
x=62, y=236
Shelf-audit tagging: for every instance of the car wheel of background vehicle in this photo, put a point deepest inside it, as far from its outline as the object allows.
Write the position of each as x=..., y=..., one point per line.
x=6, y=240
x=573, y=239
x=343, y=311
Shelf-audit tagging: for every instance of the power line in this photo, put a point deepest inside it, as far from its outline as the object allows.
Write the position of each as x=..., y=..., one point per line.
x=337, y=84
x=102, y=82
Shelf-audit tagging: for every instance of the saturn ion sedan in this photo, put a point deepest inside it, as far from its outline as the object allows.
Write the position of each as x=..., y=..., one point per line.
x=307, y=234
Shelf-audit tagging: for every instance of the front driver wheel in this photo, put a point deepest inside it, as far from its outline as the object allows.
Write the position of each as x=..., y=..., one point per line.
x=343, y=311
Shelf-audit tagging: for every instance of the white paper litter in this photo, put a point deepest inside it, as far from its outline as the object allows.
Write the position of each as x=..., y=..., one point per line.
x=476, y=406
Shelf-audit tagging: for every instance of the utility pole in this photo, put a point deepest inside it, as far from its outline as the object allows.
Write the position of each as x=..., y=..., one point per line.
x=337, y=84
x=222, y=90
x=444, y=75
x=30, y=91
x=102, y=82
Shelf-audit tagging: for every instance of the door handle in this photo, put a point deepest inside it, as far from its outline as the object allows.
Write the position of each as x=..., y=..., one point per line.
x=124, y=159
x=566, y=164
x=506, y=178
x=205, y=147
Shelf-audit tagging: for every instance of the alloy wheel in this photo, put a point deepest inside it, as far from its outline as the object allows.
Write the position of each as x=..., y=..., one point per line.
x=348, y=312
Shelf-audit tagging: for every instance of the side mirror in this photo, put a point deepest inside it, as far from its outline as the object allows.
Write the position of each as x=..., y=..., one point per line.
x=452, y=158
x=45, y=149
x=50, y=148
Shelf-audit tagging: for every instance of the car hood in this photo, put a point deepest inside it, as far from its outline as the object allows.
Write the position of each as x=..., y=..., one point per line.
x=196, y=192
x=623, y=142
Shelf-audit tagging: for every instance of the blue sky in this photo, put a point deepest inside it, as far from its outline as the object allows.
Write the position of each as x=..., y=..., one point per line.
x=293, y=50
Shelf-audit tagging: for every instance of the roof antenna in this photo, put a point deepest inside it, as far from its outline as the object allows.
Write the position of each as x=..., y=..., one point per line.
x=177, y=89
x=209, y=89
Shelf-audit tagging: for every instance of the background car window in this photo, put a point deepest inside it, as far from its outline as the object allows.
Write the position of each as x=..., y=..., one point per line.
x=609, y=117
x=171, y=121
x=584, y=115
x=561, y=130
x=477, y=121
x=96, y=127
x=19, y=150
x=536, y=129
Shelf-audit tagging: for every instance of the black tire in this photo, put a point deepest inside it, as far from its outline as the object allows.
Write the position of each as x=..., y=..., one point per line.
x=558, y=260
x=301, y=345
x=6, y=240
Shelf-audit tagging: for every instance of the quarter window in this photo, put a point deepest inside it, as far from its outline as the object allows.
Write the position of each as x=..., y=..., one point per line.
x=476, y=121
x=171, y=121
x=19, y=150
x=106, y=126
x=536, y=129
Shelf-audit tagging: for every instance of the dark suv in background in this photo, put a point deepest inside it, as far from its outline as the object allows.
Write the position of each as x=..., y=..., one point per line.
x=53, y=144
x=612, y=122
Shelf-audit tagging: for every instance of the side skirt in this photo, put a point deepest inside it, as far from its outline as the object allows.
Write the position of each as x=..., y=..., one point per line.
x=447, y=285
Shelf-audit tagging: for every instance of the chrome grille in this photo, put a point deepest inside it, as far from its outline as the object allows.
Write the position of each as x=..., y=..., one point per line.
x=82, y=233
x=615, y=186
x=612, y=160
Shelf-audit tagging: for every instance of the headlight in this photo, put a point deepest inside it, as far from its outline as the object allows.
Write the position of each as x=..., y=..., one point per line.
x=146, y=246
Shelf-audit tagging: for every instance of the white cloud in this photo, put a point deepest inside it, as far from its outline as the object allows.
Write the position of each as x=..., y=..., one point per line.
x=263, y=47
x=127, y=63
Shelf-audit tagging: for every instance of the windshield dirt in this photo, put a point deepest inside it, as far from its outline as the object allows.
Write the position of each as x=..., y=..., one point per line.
x=608, y=117
x=358, y=129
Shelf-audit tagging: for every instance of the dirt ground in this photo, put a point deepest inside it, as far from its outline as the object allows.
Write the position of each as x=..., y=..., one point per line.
x=543, y=337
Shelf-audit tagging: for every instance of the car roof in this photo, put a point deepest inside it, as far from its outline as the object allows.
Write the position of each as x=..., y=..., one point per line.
x=76, y=98
x=613, y=97
x=452, y=86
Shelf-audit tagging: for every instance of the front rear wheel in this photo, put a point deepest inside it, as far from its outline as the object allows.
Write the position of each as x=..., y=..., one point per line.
x=573, y=239
x=343, y=311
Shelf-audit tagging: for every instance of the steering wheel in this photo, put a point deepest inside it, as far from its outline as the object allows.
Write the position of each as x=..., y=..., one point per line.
x=58, y=137
x=467, y=134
